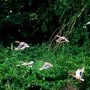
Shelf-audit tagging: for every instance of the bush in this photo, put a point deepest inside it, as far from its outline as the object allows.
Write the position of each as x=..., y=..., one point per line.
x=55, y=78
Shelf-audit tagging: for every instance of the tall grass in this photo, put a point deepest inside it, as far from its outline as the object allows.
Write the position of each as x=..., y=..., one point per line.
x=65, y=60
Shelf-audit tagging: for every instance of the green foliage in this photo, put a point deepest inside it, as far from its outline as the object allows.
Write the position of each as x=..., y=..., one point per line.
x=41, y=18
x=14, y=77
x=35, y=20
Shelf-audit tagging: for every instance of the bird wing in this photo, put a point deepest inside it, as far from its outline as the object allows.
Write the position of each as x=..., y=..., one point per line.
x=46, y=66
x=26, y=45
x=82, y=70
x=78, y=73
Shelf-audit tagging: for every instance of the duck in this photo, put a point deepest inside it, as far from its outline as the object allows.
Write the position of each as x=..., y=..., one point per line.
x=78, y=74
x=29, y=64
x=21, y=46
x=46, y=66
x=61, y=39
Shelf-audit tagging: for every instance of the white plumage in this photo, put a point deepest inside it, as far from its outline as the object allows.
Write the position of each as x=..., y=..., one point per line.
x=88, y=23
x=29, y=64
x=21, y=46
x=61, y=39
x=78, y=74
x=46, y=66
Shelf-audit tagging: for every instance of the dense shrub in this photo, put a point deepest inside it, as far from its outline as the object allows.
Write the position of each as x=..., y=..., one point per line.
x=55, y=78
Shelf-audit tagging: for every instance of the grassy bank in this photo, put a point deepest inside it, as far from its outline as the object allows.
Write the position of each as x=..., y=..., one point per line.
x=65, y=59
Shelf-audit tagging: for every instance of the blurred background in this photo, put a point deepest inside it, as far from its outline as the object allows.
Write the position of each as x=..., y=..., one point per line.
x=34, y=21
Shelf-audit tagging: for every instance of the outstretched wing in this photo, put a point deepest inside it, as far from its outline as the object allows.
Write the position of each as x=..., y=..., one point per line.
x=78, y=72
x=82, y=70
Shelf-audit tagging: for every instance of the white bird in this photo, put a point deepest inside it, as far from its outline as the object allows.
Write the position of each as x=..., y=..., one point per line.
x=46, y=66
x=29, y=64
x=21, y=46
x=78, y=74
x=61, y=39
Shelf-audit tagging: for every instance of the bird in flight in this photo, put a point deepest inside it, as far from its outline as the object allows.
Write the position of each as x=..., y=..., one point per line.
x=78, y=74
x=46, y=66
x=60, y=39
x=21, y=46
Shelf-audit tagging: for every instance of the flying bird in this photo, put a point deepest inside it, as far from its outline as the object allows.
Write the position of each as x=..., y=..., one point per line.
x=46, y=66
x=29, y=64
x=21, y=46
x=78, y=74
x=61, y=39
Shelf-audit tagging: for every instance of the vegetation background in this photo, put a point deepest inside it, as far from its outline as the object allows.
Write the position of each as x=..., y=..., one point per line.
x=34, y=21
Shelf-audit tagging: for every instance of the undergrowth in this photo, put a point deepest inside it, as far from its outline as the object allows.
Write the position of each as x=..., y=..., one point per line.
x=65, y=60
